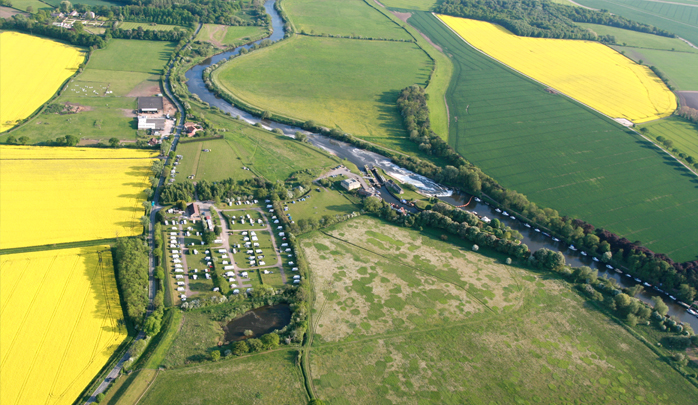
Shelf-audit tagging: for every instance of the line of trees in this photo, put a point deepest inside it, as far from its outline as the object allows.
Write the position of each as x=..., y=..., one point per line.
x=148, y=35
x=28, y=25
x=131, y=263
x=541, y=18
x=173, y=192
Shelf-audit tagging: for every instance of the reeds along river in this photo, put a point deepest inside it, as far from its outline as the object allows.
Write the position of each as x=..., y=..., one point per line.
x=534, y=240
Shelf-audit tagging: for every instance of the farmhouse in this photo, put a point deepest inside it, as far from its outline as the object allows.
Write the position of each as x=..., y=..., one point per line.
x=150, y=104
x=193, y=211
x=350, y=184
x=157, y=124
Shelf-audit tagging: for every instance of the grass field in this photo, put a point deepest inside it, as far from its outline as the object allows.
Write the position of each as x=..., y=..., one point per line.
x=228, y=36
x=35, y=4
x=639, y=39
x=589, y=72
x=61, y=321
x=325, y=202
x=576, y=161
x=118, y=68
x=57, y=3
x=147, y=26
x=405, y=318
x=680, y=19
x=682, y=133
x=70, y=194
x=348, y=84
x=267, y=378
x=269, y=155
x=28, y=81
x=678, y=66
x=341, y=17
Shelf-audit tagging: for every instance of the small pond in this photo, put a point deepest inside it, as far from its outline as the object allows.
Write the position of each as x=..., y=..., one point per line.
x=260, y=321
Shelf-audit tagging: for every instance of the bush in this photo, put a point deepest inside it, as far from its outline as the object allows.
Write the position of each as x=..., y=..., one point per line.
x=100, y=397
x=255, y=345
x=215, y=355
x=240, y=348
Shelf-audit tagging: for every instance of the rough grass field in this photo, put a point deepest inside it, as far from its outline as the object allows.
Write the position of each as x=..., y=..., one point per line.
x=28, y=81
x=341, y=17
x=681, y=19
x=228, y=36
x=589, y=72
x=406, y=318
x=680, y=67
x=575, y=161
x=349, y=84
x=325, y=202
x=119, y=68
x=682, y=133
x=61, y=321
x=267, y=378
x=269, y=155
x=640, y=39
x=70, y=194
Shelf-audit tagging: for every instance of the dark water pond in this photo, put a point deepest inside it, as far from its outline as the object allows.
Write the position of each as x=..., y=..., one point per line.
x=260, y=321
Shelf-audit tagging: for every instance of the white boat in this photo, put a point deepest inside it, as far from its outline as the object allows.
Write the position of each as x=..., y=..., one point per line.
x=583, y=253
x=619, y=271
x=537, y=230
x=595, y=259
x=692, y=312
x=637, y=280
x=672, y=297
x=646, y=284
x=556, y=239
x=573, y=248
x=628, y=275
x=506, y=214
x=477, y=199
x=608, y=266
x=498, y=210
x=527, y=225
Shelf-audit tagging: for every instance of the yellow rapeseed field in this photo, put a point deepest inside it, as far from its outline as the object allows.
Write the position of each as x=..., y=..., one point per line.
x=60, y=321
x=587, y=71
x=31, y=70
x=58, y=195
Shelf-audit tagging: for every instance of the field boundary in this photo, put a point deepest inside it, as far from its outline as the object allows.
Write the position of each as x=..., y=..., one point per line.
x=57, y=246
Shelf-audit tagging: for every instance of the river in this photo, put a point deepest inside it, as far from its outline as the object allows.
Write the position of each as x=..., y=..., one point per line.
x=534, y=240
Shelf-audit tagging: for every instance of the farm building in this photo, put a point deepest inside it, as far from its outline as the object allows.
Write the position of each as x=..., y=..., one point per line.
x=150, y=104
x=157, y=124
x=350, y=184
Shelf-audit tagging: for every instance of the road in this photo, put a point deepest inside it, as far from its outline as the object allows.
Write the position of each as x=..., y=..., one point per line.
x=152, y=284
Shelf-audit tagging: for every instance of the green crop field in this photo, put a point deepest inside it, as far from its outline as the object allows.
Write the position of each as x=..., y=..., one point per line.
x=36, y=5
x=341, y=17
x=106, y=93
x=640, y=39
x=680, y=67
x=680, y=19
x=147, y=26
x=420, y=5
x=348, y=84
x=401, y=317
x=266, y=378
x=267, y=154
x=562, y=155
x=227, y=36
x=682, y=133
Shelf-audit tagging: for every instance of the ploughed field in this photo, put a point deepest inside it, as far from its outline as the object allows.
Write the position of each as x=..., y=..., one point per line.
x=402, y=317
x=563, y=155
x=31, y=70
x=61, y=321
x=589, y=72
x=60, y=195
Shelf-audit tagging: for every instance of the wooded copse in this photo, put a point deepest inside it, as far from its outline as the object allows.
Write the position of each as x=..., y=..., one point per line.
x=131, y=263
x=542, y=18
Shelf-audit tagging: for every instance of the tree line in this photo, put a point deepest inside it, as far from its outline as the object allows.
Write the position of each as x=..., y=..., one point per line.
x=30, y=26
x=542, y=18
x=131, y=263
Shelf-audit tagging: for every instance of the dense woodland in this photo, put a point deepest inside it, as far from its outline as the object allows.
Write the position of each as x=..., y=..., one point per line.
x=131, y=263
x=542, y=18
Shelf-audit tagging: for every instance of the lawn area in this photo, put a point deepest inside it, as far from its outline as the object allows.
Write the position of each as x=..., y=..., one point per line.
x=341, y=17
x=266, y=247
x=682, y=133
x=682, y=20
x=680, y=67
x=106, y=91
x=147, y=26
x=266, y=378
x=319, y=204
x=575, y=161
x=269, y=155
x=300, y=77
x=224, y=36
x=401, y=317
